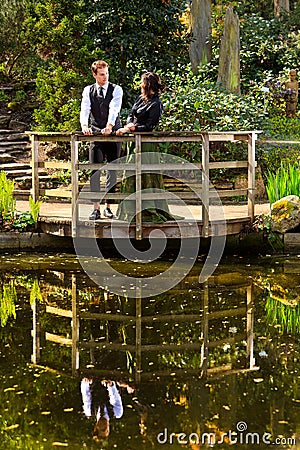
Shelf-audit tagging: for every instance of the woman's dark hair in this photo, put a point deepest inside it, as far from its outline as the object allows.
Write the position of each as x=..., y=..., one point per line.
x=152, y=85
x=100, y=398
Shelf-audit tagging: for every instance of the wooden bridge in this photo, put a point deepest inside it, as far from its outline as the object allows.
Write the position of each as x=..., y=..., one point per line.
x=65, y=211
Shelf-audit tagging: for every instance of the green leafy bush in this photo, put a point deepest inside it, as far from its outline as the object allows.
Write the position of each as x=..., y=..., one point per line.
x=23, y=222
x=192, y=104
x=58, y=91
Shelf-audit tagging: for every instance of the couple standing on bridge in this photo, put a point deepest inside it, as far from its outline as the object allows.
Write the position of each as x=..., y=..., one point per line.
x=100, y=113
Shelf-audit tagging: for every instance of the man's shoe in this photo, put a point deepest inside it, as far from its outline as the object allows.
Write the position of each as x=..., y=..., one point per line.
x=95, y=215
x=108, y=213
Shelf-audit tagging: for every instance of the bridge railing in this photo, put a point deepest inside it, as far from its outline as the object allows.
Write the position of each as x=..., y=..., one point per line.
x=203, y=138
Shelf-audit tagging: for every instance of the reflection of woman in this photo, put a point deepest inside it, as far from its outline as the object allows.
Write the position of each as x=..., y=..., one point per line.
x=145, y=115
x=102, y=400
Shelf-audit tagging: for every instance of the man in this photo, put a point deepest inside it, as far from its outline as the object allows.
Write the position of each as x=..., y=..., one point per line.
x=100, y=112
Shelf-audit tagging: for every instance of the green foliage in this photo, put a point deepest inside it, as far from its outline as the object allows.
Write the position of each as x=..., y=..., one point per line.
x=148, y=36
x=58, y=32
x=287, y=128
x=35, y=293
x=18, y=58
x=192, y=104
x=58, y=91
x=3, y=96
x=266, y=46
x=23, y=221
x=286, y=181
x=7, y=200
x=35, y=207
x=286, y=317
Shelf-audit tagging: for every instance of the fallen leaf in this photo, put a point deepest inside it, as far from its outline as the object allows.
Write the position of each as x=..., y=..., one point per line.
x=12, y=427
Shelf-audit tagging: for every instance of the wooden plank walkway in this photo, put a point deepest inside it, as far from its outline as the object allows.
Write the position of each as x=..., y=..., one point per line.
x=55, y=218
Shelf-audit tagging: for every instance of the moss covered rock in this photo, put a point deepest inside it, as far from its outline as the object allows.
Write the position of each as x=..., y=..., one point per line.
x=285, y=214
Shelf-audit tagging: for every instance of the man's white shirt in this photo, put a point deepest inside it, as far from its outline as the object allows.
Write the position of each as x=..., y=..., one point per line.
x=114, y=106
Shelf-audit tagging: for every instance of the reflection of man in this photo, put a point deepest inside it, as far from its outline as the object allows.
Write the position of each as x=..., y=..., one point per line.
x=102, y=400
x=100, y=107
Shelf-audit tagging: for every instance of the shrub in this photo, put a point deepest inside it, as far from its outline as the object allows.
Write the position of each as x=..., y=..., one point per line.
x=58, y=91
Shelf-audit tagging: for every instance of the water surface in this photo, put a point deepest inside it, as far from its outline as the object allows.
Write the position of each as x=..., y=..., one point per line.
x=212, y=365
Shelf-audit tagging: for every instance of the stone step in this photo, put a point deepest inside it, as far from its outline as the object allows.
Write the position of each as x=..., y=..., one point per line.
x=6, y=131
x=25, y=183
x=6, y=158
x=13, y=173
x=15, y=166
x=13, y=136
x=11, y=144
x=21, y=153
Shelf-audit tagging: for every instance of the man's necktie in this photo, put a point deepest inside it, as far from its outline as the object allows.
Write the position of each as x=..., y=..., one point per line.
x=100, y=92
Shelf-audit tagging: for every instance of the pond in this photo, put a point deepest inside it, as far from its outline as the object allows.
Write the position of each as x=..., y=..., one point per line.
x=199, y=366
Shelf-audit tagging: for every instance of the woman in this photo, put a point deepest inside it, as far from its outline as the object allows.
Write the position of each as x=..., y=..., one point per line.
x=145, y=115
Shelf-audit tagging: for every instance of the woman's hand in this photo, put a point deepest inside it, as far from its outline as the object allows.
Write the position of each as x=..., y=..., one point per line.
x=127, y=129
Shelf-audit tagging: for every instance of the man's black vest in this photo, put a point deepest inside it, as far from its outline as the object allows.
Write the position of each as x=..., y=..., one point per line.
x=100, y=108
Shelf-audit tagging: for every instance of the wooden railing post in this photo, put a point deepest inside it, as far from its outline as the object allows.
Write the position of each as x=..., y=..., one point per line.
x=250, y=326
x=138, y=335
x=251, y=174
x=35, y=191
x=205, y=332
x=138, y=187
x=75, y=327
x=205, y=184
x=74, y=180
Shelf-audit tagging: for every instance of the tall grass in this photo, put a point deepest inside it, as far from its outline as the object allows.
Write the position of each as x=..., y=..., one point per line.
x=288, y=317
x=7, y=200
x=285, y=181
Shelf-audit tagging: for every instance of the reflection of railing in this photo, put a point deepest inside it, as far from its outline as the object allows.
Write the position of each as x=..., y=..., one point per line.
x=203, y=138
x=139, y=348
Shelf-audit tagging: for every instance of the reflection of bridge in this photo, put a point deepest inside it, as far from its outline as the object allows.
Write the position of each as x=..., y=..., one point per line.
x=148, y=359
x=201, y=195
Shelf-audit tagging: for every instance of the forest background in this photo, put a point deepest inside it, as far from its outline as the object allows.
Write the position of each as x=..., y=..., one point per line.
x=47, y=48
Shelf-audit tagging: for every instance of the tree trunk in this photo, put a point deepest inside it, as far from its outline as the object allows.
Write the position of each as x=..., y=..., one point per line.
x=200, y=27
x=229, y=64
x=281, y=7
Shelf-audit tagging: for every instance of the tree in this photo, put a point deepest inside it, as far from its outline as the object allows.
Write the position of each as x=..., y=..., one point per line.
x=15, y=42
x=200, y=28
x=58, y=32
x=146, y=36
x=281, y=7
x=229, y=66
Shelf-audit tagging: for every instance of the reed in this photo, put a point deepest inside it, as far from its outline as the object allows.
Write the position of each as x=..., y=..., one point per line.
x=7, y=200
x=285, y=181
x=35, y=209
